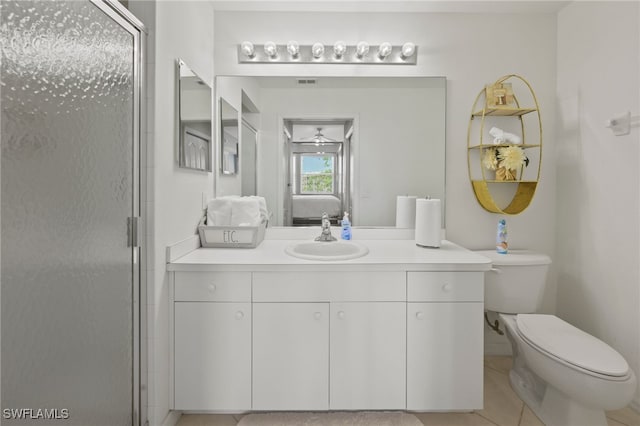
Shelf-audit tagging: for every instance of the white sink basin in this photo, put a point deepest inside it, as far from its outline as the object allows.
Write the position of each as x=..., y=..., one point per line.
x=327, y=250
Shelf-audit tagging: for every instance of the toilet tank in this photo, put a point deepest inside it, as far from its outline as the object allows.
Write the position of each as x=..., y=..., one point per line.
x=516, y=282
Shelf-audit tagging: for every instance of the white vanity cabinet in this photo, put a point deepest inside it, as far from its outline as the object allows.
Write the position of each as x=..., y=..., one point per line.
x=445, y=340
x=290, y=356
x=399, y=329
x=368, y=356
x=329, y=340
x=212, y=341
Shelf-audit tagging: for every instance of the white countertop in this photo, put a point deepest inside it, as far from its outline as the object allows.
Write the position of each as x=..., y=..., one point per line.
x=384, y=255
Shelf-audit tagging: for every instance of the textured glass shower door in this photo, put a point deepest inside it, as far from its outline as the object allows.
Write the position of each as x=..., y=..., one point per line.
x=69, y=275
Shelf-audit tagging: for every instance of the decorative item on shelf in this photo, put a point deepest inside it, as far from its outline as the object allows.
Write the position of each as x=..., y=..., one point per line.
x=500, y=136
x=502, y=159
x=504, y=174
x=505, y=160
x=500, y=95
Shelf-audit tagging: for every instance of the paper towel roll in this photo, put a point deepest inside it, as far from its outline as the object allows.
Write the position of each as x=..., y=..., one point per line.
x=406, y=211
x=428, y=222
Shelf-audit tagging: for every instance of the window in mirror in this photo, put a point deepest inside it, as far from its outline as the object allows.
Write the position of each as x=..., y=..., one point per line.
x=194, y=119
x=317, y=174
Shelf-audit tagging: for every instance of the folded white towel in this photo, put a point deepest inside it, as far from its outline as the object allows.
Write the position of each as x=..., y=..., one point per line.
x=500, y=136
x=219, y=211
x=262, y=205
x=245, y=211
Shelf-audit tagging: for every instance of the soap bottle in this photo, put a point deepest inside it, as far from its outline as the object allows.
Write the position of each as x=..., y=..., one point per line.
x=346, y=227
x=501, y=237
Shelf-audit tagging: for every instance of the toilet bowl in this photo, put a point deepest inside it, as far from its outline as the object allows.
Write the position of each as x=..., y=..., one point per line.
x=566, y=376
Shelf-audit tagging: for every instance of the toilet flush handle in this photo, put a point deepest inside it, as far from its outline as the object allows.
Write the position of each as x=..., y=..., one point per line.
x=496, y=270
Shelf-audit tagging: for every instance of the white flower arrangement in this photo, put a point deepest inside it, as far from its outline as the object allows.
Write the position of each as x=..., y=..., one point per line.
x=505, y=159
x=511, y=157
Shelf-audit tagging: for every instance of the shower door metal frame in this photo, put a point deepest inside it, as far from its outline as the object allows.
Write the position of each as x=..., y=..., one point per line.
x=121, y=15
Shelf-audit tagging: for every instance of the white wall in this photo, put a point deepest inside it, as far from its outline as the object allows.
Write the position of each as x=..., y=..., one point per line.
x=178, y=29
x=598, y=201
x=470, y=50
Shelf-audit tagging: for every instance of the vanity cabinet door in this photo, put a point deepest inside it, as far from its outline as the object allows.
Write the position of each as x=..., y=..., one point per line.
x=212, y=356
x=368, y=356
x=290, y=356
x=444, y=356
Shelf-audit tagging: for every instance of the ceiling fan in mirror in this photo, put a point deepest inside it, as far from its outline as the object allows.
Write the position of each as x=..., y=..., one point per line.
x=318, y=138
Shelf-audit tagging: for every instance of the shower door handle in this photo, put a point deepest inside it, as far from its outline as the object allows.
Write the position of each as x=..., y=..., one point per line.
x=132, y=231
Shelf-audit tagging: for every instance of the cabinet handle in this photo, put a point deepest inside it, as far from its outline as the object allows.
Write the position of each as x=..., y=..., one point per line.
x=317, y=315
x=341, y=314
x=446, y=288
x=420, y=315
x=239, y=315
x=212, y=288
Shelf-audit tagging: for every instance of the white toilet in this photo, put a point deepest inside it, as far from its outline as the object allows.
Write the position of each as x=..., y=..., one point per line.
x=566, y=376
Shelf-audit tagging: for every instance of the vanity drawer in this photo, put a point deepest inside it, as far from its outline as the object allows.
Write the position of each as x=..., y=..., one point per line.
x=348, y=286
x=445, y=286
x=213, y=286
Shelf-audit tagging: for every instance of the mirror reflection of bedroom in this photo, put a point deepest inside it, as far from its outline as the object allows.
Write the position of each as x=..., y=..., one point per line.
x=319, y=170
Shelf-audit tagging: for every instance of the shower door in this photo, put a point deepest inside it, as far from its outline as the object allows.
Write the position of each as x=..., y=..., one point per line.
x=69, y=291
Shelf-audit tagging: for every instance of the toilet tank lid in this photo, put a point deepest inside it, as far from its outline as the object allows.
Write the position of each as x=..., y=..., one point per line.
x=516, y=257
x=569, y=343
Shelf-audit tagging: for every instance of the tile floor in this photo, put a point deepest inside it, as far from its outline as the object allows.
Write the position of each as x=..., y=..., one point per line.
x=502, y=407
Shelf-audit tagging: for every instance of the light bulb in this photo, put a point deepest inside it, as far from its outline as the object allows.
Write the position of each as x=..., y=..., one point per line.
x=247, y=49
x=339, y=48
x=362, y=48
x=317, y=50
x=408, y=49
x=384, y=50
x=270, y=49
x=293, y=48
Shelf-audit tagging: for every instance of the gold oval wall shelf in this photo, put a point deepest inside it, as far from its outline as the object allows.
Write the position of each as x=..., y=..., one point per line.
x=499, y=100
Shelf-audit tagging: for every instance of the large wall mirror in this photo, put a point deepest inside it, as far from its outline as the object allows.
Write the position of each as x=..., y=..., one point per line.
x=355, y=142
x=193, y=119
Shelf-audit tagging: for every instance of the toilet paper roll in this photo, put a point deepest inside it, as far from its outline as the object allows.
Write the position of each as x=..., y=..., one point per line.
x=428, y=222
x=406, y=211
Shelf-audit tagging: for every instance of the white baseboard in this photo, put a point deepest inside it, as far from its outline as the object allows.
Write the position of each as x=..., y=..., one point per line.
x=172, y=418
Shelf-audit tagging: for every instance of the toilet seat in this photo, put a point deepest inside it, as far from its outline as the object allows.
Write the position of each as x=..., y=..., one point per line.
x=563, y=341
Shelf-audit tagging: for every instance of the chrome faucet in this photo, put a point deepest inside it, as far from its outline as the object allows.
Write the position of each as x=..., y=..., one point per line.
x=326, y=229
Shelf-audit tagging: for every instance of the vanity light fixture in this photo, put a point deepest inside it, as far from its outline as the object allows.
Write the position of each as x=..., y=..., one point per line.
x=341, y=53
x=248, y=50
x=271, y=49
x=339, y=49
x=362, y=48
x=408, y=49
x=384, y=50
x=293, y=48
x=317, y=50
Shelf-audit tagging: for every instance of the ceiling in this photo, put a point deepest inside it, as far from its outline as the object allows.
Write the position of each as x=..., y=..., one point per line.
x=451, y=6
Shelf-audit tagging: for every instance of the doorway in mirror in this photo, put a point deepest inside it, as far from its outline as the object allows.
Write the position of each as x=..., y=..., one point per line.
x=318, y=170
